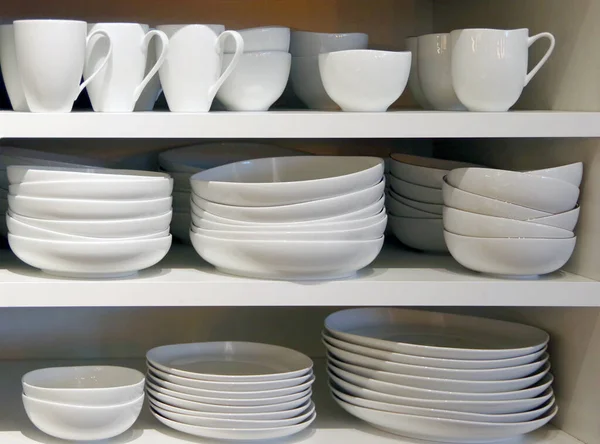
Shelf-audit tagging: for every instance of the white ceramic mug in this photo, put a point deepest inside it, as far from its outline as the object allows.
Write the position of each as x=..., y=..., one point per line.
x=414, y=84
x=117, y=87
x=51, y=57
x=489, y=66
x=10, y=69
x=152, y=90
x=191, y=74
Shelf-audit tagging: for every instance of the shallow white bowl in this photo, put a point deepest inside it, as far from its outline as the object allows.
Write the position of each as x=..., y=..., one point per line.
x=528, y=190
x=288, y=260
x=265, y=38
x=85, y=385
x=572, y=173
x=305, y=43
x=82, y=423
x=510, y=256
x=287, y=180
x=466, y=223
x=90, y=259
x=424, y=171
x=422, y=206
x=424, y=234
x=566, y=221
x=305, y=79
x=416, y=192
x=399, y=209
x=23, y=174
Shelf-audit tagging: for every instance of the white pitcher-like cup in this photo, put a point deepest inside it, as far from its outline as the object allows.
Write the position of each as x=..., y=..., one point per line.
x=117, y=87
x=489, y=66
x=51, y=57
x=191, y=74
x=10, y=69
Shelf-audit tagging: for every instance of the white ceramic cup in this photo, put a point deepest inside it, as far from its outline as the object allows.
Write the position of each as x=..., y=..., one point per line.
x=191, y=74
x=51, y=57
x=414, y=84
x=118, y=86
x=10, y=69
x=488, y=80
x=152, y=90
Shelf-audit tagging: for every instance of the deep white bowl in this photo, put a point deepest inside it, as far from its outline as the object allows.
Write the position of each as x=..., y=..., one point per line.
x=419, y=233
x=22, y=174
x=426, y=207
x=424, y=171
x=566, y=221
x=510, y=257
x=397, y=208
x=572, y=173
x=416, y=192
x=265, y=38
x=305, y=79
x=304, y=43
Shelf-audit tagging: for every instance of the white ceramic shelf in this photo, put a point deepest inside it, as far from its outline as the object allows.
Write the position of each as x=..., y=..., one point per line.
x=333, y=425
x=397, y=278
x=301, y=124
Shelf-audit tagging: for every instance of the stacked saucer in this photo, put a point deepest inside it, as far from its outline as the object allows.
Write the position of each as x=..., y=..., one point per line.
x=231, y=390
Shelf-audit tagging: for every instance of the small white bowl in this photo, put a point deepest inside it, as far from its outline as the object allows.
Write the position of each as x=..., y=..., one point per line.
x=566, y=221
x=424, y=171
x=305, y=79
x=21, y=174
x=528, y=190
x=466, y=223
x=422, y=206
x=265, y=38
x=510, y=257
x=572, y=173
x=363, y=79
x=305, y=43
x=420, y=234
x=82, y=423
x=416, y=192
x=86, y=385
x=397, y=208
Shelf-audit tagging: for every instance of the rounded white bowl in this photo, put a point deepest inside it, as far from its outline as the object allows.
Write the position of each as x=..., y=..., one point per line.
x=422, y=206
x=85, y=385
x=416, y=192
x=419, y=233
x=510, y=256
x=364, y=79
x=424, y=171
x=287, y=180
x=528, y=190
x=397, y=208
x=305, y=79
x=82, y=423
x=180, y=226
x=90, y=259
x=466, y=223
x=296, y=260
x=572, y=173
x=566, y=221
x=305, y=43
x=23, y=174
x=265, y=38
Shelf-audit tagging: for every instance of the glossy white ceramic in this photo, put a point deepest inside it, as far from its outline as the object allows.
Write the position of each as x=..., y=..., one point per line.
x=265, y=38
x=566, y=221
x=572, y=173
x=422, y=206
x=426, y=234
x=424, y=171
x=153, y=89
x=20, y=174
x=416, y=192
x=304, y=43
x=397, y=208
x=10, y=68
x=305, y=79
x=414, y=83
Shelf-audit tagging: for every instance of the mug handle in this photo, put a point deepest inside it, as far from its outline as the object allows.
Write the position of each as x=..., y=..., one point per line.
x=239, y=50
x=102, y=33
x=161, y=59
x=530, y=42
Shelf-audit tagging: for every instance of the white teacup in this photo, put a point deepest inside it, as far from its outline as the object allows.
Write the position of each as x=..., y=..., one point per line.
x=10, y=69
x=51, y=57
x=414, y=84
x=266, y=38
x=118, y=86
x=485, y=80
x=257, y=81
x=191, y=74
x=306, y=83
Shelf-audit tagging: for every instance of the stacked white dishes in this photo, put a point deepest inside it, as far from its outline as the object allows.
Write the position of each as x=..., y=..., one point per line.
x=439, y=377
x=512, y=223
x=231, y=390
x=290, y=217
x=86, y=222
x=83, y=403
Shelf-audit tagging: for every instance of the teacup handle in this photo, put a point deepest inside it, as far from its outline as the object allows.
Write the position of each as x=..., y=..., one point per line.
x=161, y=59
x=239, y=50
x=104, y=62
x=530, y=42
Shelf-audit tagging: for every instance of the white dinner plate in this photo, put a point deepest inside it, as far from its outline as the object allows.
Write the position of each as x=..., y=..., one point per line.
x=436, y=335
x=230, y=361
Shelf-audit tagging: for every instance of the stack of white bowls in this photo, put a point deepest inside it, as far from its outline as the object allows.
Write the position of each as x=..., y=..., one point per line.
x=88, y=223
x=231, y=390
x=415, y=200
x=512, y=223
x=290, y=217
x=439, y=377
x=83, y=403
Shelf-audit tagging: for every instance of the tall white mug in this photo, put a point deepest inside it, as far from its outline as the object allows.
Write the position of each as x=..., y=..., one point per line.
x=191, y=74
x=152, y=90
x=10, y=69
x=117, y=87
x=489, y=66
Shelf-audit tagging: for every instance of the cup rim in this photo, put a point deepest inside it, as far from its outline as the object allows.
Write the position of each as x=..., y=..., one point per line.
x=492, y=29
x=48, y=20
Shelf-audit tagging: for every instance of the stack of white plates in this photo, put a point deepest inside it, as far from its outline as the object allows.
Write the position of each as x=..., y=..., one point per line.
x=231, y=390
x=290, y=217
x=439, y=377
x=90, y=223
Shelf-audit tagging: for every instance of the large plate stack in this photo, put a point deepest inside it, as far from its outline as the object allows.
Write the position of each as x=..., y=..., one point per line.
x=231, y=390
x=439, y=377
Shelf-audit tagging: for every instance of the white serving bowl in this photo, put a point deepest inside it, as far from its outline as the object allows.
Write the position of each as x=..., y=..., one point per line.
x=265, y=38
x=419, y=233
x=364, y=79
x=424, y=171
x=510, y=256
x=528, y=190
x=298, y=260
x=23, y=174
x=422, y=206
x=416, y=192
x=256, y=82
x=86, y=209
x=79, y=422
x=572, y=173
x=299, y=212
x=180, y=226
x=85, y=385
x=305, y=79
x=287, y=180
x=304, y=43
x=466, y=223
x=566, y=221
x=397, y=208
x=90, y=259
x=117, y=228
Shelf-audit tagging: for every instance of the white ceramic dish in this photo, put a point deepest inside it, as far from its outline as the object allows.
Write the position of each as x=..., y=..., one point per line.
x=424, y=171
x=305, y=79
x=422, y=206
x=265, y=38
x=85, y=385
x=304, y=43
x=82, y=423
x=528, y=190
x=566, y=221
x=397, y=208
x=287, y=180
x=572, y=173
x=289, y=260
x=424, y=234
x=416, y=192
x=510, y=256
x=436, y=335
x=24, y=174
x=90, y=259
